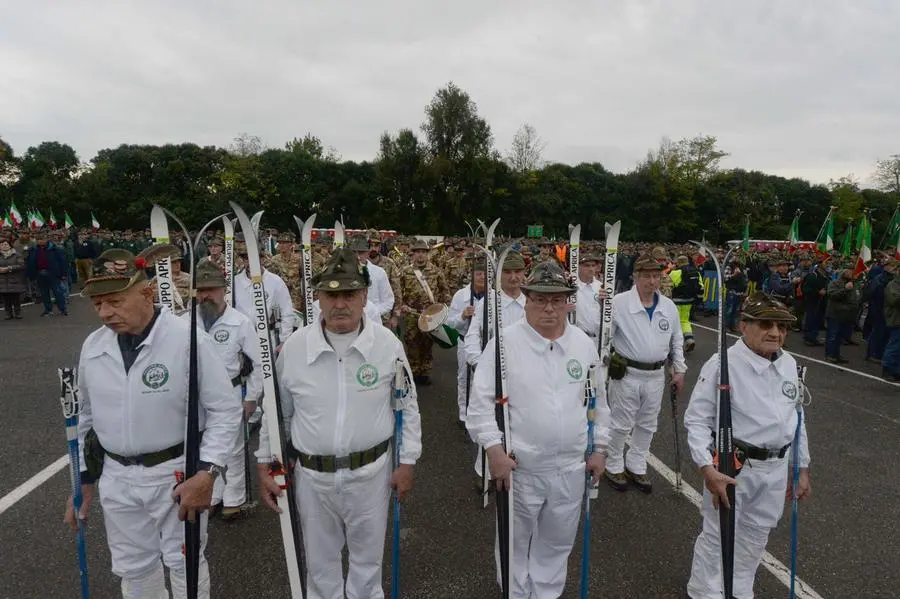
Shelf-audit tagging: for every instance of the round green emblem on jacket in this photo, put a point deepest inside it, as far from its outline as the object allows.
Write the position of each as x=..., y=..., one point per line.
x=367, y=375
x=574, y=368
x=155, y=376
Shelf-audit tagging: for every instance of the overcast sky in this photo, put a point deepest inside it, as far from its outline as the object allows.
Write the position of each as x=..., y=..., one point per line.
x=807, y=88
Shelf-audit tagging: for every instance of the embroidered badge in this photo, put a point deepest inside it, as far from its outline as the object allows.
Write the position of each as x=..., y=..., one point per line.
x=663, y=325
x=573, y=367
x=155, y=376
x=367, y=375
x=221, y=336
x=789, y=389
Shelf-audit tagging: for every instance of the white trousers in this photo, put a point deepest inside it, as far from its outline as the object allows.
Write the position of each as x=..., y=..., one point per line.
x=346, y=508
x=142, y=525
x=233, y=493
x=547, y=511
x=759, y=503
x=634, y=403
x=461, y=380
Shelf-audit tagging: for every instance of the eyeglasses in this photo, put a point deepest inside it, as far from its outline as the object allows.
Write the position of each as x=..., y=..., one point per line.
x=542, y=301
x=768, y=324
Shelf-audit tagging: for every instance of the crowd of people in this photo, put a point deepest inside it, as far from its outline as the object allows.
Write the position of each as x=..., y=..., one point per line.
x=370, y=298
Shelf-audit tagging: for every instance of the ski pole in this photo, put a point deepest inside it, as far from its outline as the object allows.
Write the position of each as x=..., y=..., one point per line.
x=673, y=396
x=795, y=499
x=591, y=399
x=71, y=407
x=399, y=390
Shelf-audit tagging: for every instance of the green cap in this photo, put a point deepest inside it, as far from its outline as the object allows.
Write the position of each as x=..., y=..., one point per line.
x=549, y=277
x=761, y=306
x=514, y=261
x=117, y=269
x=647, y=263
x=209, y=275
x=342, y=272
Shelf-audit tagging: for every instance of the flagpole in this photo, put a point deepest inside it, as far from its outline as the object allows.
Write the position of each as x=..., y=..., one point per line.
x=825, y=222
x=890, y=226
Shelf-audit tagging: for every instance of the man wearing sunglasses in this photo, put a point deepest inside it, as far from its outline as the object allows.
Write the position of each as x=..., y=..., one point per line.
x=765, y=391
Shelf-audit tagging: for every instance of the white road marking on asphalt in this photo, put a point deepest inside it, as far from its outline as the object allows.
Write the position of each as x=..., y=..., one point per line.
x=811, y=359
x=23, y=305
x=779, y=570
x=9, y=500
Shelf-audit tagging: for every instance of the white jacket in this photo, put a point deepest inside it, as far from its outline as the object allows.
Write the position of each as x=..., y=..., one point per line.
x=335, y=405
x=233, y=334
x=546, y=389
x=512, y=311
x=380, y=292
x=458, y=304
x=635, y=336
x=763, y=404
x=587, y=307
x=277, y=294
x=146, y=410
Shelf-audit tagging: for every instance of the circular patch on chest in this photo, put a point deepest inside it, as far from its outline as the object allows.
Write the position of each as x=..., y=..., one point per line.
x=221, y=336
x=574, y=368
x=789, y=389
x=663, y=325
x=155, y=376
x=367, y=375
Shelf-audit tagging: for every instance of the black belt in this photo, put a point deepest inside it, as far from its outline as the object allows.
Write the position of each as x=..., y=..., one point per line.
x=149, y=460
x=331, y=464
x=236, y=381
x=644, y=365
x=745, y=451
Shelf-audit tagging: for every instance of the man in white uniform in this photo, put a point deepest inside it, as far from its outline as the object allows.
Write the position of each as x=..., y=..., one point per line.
x=277, y=296
x=236, y=343
x=587, y=301
x=765, y=391
x=335, y=381
x=133, y=378
x=645, y=335
x=380, y=293
x=512, y=302
x=462, y=309
x=548, y=363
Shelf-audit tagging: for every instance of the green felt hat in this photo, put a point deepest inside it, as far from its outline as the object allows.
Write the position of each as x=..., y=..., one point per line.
x=342, y=272
x=117, y=269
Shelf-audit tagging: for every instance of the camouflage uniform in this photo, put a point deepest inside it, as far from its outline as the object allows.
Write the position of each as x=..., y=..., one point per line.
x=287, y=265
x=419, y=344
x=457, y=271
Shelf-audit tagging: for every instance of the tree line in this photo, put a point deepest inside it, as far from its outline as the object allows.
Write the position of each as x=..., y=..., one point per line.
x=433, y=179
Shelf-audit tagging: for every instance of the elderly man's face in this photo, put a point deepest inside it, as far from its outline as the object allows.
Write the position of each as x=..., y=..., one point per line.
x=342, y=311
x=125, y=311
x=764, y=337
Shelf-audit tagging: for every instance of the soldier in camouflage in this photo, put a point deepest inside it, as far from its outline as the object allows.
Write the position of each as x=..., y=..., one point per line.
x=546, y=253
x=456, y=268
x=216, y=252
x=286, y=264
x=391, y=269
x=416, y=298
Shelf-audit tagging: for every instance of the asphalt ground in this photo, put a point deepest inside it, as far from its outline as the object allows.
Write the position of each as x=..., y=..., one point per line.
x=641, y=544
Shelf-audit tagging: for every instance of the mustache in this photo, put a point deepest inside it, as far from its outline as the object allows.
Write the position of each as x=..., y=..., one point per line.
x=339, y=312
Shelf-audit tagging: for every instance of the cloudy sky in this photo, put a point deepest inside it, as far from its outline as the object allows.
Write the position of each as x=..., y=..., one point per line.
x=803, y=88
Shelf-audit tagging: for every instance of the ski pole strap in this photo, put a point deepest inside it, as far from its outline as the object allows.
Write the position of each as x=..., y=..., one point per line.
x=149, y=460
x=331, y=464
x=746, y=451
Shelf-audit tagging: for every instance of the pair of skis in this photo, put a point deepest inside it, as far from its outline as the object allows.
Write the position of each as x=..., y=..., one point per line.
x=491, y=281
x=306, y=228
x=604, y=336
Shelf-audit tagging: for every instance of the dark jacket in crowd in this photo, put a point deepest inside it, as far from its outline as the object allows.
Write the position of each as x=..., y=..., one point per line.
x=874, y=294
x=812, y=283
x=14, y=280
x=843, y=303
x=57, y=265
x=87, y=250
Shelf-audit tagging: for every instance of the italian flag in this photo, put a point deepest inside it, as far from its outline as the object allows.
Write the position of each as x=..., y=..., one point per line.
x=745, y=242
x=794, y=231
x=893, y=233
x=864, y=241
x=4, y=220
x=826, y=237
x=95, y=224
x=36, y=221
x=68, y=223
x=15, y=215
x=52, y=222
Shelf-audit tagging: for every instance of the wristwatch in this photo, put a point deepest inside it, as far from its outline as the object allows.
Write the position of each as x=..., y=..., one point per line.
x=213, y=470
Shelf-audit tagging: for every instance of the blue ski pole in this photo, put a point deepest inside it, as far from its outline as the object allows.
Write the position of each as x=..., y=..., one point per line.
x=591, y=399
x=71, y=406
x=398, y=389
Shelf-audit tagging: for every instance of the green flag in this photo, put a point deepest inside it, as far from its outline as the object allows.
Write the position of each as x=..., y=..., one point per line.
x=847, y=244
x=826, y=237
